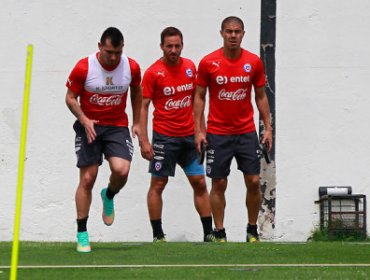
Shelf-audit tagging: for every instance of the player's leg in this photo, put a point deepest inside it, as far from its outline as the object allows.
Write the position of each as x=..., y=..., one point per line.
x=83, y=199
x=195, y=174
x=163, y=165
x=155, y=206
x=218, y=205
x=83, y=193
x=188, y=160
x=118, y=150
x=120, y=169
x=219, y=155
x=202, y=203
x=119, y=173
x=249, y=164
x=253, y=203
x=201, y=196
x=89, y=157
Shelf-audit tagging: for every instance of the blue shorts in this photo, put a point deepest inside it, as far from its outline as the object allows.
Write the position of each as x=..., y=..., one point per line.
x=223, y=148
x=110, y=141
x=169, y=151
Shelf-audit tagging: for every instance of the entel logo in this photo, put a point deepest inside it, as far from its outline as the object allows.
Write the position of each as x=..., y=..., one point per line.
x=223, y=80
x=168, y=90
x=180, y=88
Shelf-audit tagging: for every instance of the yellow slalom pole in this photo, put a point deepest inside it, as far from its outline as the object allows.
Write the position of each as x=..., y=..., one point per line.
x=22, y=158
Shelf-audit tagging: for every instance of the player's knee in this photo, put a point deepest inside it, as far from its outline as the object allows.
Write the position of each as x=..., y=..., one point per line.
x=121, y=173
x=252, y=181
x=197, y=181
x=253, y=186
x=155, y=191
x=219, y=185
x=199, y=185
x=87, y=181
x=157, y=185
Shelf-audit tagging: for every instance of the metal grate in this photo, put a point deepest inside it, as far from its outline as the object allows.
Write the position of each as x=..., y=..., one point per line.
x=343, y=214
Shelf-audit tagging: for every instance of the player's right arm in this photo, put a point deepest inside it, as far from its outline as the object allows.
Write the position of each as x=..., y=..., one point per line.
x=75, y=85
x=199, y=122
x=145, y=146
x=74, y=107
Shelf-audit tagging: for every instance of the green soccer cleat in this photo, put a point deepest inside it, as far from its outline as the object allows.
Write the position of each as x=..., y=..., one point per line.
x=108, y=208
x=83, y=245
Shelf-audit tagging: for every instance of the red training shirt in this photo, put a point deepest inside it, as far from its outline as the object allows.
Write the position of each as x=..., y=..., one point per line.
x=230, y=83
x=171, y=89
x=102, y=92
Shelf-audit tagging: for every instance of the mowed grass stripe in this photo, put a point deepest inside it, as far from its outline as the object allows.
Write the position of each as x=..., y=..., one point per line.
x=193, y=265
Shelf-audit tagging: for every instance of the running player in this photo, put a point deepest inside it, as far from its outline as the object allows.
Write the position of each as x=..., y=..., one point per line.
x=170, y=83
x=229, y=74
x=97, y=93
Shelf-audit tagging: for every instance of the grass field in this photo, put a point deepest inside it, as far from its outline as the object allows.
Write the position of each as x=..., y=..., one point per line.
x=265, y=260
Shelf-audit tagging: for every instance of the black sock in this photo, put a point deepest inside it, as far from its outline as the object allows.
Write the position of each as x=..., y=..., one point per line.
x=252, y=228
x=157, y=227
x=82, y=224
x=110, y=194
x=207, y=224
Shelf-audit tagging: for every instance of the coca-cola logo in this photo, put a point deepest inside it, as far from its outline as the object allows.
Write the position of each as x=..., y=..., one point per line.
x=239, y=94
x=112, y=100
x=172, y=104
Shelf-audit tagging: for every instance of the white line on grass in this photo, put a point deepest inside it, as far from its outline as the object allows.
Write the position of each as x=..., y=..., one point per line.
x=194, y=265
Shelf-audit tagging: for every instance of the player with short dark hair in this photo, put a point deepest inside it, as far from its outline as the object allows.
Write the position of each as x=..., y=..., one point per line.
x=97, y=93
x=169, y=83
x=229, y=73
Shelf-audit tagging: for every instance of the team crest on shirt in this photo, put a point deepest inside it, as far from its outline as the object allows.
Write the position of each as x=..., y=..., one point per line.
x=247, y=67
x=189, y=73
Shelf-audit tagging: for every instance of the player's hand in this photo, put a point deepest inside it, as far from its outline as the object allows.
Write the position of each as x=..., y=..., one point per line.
x=146, y=150
x=89, y=128
x=200, y=138
x=267, y=139
x=136, y=131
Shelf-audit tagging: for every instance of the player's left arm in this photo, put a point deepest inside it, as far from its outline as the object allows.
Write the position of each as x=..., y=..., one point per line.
x=136, y=97
x=264, y=110
x=136, y=100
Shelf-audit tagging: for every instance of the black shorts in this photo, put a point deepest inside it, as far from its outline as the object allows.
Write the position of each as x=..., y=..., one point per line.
x=169, y=151
x=222, y=148
x=110, y=141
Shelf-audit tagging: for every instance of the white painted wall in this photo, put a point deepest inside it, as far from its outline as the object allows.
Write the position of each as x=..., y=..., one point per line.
x=322, y=65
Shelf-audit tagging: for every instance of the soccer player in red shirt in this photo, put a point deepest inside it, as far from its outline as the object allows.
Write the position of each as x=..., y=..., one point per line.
x=97, y=92
x=169, y=83
x=229, y=74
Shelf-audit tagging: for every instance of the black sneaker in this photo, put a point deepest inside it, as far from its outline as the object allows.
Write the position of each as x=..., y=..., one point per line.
x=160, y=238
x=216, y=236
x=252, y=235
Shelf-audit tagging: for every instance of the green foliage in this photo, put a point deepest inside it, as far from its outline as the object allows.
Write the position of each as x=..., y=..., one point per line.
x=339, y=234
